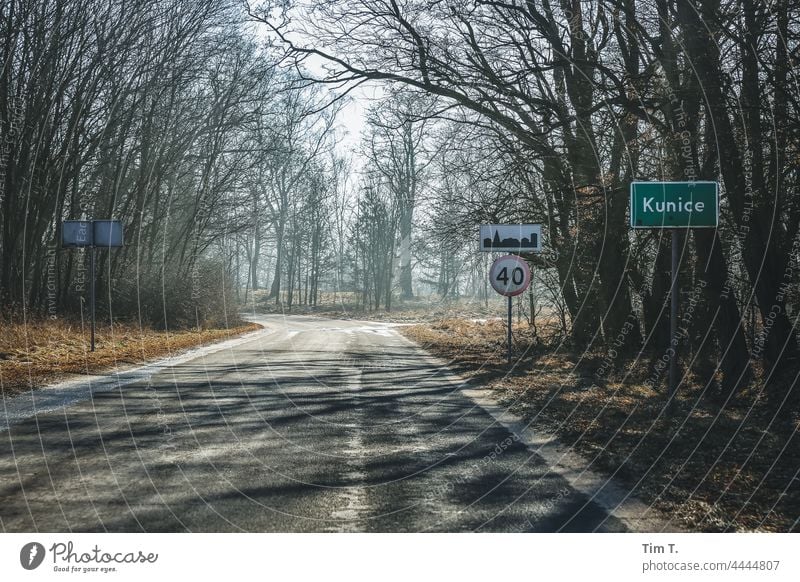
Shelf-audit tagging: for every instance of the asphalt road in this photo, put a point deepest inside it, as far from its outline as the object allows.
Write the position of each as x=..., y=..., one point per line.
x=317, y=425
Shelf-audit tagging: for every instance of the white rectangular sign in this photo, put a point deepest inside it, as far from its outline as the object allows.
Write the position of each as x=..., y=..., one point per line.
x=511, y=238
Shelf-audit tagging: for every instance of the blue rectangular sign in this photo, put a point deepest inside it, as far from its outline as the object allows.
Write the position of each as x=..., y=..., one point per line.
x=77, y=233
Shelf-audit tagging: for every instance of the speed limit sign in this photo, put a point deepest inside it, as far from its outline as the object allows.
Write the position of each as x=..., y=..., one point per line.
x=510, y=275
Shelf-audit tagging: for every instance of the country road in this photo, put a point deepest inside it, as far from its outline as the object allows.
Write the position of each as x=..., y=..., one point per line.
x=313, y=425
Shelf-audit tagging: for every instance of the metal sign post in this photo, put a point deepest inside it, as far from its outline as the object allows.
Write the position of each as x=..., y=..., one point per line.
x=677, y=206
x=510, y=275
x=673, y=317
x=91, y=290
x=91, y=234
x=508, y=339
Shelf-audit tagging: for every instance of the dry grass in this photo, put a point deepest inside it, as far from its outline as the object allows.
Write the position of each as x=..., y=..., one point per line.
x=709, y=469
x=43, y=351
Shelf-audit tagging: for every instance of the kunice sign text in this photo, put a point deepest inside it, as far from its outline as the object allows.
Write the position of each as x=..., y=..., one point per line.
x=674, y=204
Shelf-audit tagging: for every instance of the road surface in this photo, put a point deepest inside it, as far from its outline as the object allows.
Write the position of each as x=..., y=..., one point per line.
x=314, y=425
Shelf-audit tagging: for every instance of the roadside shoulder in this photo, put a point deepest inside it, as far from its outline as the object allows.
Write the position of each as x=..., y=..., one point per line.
x=605, y=491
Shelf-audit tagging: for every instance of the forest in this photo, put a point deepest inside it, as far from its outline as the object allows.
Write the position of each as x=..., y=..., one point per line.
x=214, y=131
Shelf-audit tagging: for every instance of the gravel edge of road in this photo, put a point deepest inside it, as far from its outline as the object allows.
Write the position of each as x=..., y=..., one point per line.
x=599, y=488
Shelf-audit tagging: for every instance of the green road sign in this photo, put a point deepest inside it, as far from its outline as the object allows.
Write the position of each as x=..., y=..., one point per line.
x=674, y=204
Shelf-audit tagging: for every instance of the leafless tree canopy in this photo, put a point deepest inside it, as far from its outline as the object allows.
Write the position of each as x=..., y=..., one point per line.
x=566, y=103
x=211, y=129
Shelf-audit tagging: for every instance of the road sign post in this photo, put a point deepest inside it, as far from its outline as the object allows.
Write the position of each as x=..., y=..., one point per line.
x=92, y=292
x=677, y=206
x=510, y=275
x=91, y=234
x=677, y=240
x=508, y=334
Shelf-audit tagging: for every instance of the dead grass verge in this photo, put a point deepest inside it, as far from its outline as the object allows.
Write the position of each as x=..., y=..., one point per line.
x=39, y=352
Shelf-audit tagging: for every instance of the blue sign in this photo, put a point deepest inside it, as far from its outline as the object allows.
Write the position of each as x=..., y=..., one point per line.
x=77, y=233
x=107, y=233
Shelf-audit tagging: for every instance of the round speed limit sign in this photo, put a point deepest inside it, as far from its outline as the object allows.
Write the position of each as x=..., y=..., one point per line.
x=510, y=275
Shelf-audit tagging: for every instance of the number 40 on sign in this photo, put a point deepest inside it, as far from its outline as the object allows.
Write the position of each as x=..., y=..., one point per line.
x=510, y=275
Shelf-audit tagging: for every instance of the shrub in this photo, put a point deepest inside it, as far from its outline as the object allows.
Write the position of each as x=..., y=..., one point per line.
x=205, y=298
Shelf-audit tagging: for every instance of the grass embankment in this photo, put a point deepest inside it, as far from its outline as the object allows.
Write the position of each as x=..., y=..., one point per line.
x=706, y=467
x=43, y=351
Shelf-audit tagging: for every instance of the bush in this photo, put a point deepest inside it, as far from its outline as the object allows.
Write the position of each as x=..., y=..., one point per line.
x=204, y=299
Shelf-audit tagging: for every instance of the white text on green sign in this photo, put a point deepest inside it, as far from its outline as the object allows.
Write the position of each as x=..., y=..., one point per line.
x=674, y=204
